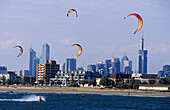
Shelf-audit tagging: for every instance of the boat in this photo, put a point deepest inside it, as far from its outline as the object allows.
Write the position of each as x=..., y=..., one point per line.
x=42, y=99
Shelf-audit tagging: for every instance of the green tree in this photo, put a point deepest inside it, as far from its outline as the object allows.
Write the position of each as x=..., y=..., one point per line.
x=162, y=81
x=9, y=81
x=3, y=79
x=84, y=82
x=168, y=80
x=92, y=82
x=106, y=82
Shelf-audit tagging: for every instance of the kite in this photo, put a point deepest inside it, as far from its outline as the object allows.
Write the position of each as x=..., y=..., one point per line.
x=21, y=50
x=139, y=19
x=71, y=11
x=80, y=50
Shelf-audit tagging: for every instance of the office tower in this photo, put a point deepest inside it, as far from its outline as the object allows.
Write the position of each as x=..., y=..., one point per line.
x=91, y=68
x=63, y=67
x=45, y=53
x=35, y=62
x=3, y=69
x=122, y=67
x=116, y=65
x=166, y=68
x=107, y=66
x=70, y=64
x=80, y=69
x=49, y=69
x=142, y=59
x=32, y=55
x=24, y=73
x=160, y=73
x=100, y=67
x=127, y=67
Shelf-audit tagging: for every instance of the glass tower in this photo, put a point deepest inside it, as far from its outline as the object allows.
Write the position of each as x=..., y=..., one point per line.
x=32, y=55
x=35, y=62
x=70, y=64
x=45, y=53
x=142, y=59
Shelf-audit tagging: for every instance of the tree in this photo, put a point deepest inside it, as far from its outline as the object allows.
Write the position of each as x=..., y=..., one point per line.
x=168, y=80
x=9, y=81
x=3, y=79
x=106, y=82
x=162, y=81
x=92, y=82
x=84, y=82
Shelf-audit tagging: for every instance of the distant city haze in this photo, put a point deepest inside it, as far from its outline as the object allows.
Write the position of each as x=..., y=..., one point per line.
x=99, y=28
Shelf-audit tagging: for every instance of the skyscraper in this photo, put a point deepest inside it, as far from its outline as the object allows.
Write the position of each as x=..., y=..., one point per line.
x=45, y=53
x=70, y=64
x=122, y=67
x=108, y=64
x=116, y=65
x=100, y=67
x=35, y=62
x=32, y=55
x=142, y=59
x=91, y=68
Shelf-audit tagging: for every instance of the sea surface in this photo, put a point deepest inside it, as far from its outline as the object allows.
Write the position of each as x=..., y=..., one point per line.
x=56, y=101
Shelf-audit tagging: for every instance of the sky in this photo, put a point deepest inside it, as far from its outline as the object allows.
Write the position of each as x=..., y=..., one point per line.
x=99, y=28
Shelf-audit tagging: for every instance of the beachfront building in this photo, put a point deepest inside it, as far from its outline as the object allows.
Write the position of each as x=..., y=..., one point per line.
x=119, y=77
x=8, y=75
x=47, y=70
x=146, y=78
x=78, y=76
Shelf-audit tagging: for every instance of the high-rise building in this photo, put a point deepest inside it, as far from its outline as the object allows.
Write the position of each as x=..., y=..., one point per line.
x=108, y=64
x=127, y=67
x=70, y=64
x=35, y=62
x=49, y=69
x=122, y=66
x=63, y=67
x=142, y=59
x=24, y=73
x=100, y=67
x=116, y=65
x=166, y=68
x=32, y=55
x=3, y=69
x=45, y=53
x=80, y=69
x=91, y=68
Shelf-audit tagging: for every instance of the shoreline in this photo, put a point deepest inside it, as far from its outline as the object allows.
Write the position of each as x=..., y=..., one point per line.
x=84, y=90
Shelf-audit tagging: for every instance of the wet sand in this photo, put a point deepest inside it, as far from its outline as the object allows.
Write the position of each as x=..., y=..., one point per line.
x=83, y=90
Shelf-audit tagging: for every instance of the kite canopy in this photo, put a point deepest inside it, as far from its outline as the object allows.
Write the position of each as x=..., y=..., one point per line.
x=139, y=19
x=80, y=49
x=71, y=11
x=21, y=50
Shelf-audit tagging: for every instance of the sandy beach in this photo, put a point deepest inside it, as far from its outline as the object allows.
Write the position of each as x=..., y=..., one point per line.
x=82, y=90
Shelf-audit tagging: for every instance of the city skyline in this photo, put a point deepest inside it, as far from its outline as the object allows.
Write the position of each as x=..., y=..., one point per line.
x=99, y=28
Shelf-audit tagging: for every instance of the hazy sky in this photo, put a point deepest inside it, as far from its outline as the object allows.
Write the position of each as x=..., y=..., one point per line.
x=99, y=28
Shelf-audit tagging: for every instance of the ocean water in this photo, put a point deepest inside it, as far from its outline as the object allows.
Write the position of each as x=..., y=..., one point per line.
x=55, y=101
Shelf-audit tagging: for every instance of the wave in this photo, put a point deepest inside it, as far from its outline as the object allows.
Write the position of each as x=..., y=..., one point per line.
x=29, y=98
